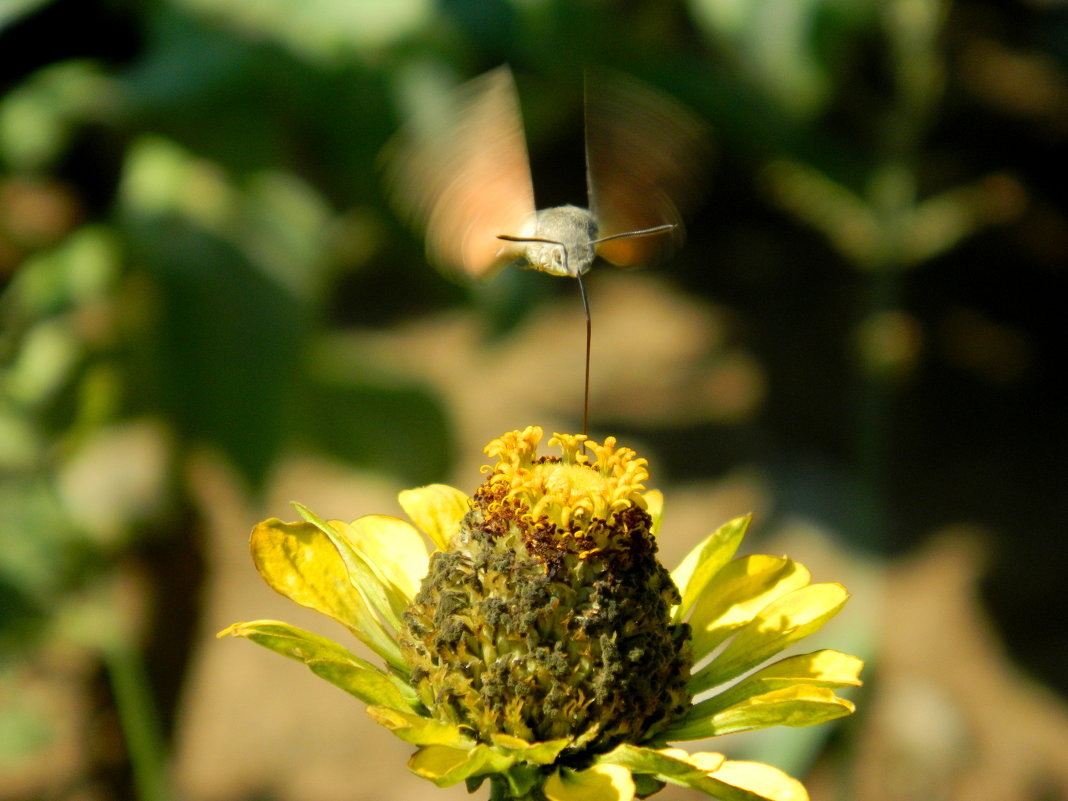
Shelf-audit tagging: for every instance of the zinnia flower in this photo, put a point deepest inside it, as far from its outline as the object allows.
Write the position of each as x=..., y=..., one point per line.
x=543, y=646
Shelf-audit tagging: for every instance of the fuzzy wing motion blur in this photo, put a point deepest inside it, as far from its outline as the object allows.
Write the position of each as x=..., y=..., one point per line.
x=463, y=175
x=464, y=179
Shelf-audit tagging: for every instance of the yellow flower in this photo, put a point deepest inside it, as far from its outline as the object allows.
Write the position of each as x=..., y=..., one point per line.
x=543, y=646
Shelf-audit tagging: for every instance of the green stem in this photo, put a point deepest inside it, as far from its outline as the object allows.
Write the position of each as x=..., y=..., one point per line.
x=892, y=199
x=912, y=28
x=137, y=717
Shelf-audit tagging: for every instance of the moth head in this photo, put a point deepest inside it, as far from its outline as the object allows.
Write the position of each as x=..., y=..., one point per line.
x=562, y=242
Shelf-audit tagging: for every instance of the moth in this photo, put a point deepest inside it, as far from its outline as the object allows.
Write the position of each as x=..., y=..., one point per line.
x=464, y=179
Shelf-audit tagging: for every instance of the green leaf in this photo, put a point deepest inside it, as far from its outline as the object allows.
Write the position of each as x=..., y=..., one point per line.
x=736, y=593
x=522, y=778
x=419, y=730
x=326, y=659
x=213, y=305
x=437, y=510
x=779, y=625
x=474, y=782
x=301, y=562
x=646, y=785
x=698, y=567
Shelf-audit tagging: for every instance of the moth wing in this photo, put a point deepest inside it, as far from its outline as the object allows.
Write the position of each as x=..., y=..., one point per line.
x=463, y=177
x=644, y=157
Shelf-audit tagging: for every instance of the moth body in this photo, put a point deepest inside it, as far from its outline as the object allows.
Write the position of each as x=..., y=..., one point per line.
x=568, y=233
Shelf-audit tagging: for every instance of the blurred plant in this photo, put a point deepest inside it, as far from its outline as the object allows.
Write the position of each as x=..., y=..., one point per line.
x=785, y=50
x=886, y=227
x=76, y=482
x=543, y=646
x=152, y=298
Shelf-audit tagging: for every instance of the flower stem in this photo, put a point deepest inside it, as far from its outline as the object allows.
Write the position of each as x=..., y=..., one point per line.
x=140, y=726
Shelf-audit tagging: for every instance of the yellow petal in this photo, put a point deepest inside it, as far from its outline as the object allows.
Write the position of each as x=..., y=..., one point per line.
x=792, y=706
x=758, y=781
x=598, y=783
x=779, y=625
x=670, y=764
x=437, y=761
x=709, y=773
x=299, y=561
x=393, y=548
x=701, y=564
x=799, y=705
x=737, y=593
x=826, y=668
x=326, y=659
x=706, y=761
x=386, y=600
x=419, y=730
x=539, y=753
x=509, y=742
x=437, y=510
x=800, y=686
x=446, y=766
x=819, y=669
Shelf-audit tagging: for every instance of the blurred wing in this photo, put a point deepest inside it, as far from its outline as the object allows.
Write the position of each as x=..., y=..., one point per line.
x=464, y=178
x=644, y=158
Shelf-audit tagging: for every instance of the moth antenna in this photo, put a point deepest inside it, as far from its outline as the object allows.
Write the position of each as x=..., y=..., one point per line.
x=510, y=238
x=656, y=229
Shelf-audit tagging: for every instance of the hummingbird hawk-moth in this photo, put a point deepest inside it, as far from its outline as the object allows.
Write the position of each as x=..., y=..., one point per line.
x=464, y=179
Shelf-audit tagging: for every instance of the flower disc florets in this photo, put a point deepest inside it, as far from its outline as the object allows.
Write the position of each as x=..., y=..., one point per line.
x=549, y=616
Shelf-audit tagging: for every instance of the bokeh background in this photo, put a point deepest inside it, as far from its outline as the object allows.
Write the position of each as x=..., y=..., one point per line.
x=208, y=310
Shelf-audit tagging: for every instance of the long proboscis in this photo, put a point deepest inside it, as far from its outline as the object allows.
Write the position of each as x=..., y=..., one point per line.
x=656, y=229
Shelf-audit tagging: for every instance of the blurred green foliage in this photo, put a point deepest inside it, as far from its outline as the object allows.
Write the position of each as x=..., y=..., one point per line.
x=191, y=214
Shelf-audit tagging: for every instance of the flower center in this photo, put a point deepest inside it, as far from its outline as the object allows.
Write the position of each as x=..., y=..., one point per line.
x=549, y=616
x=570, y=491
